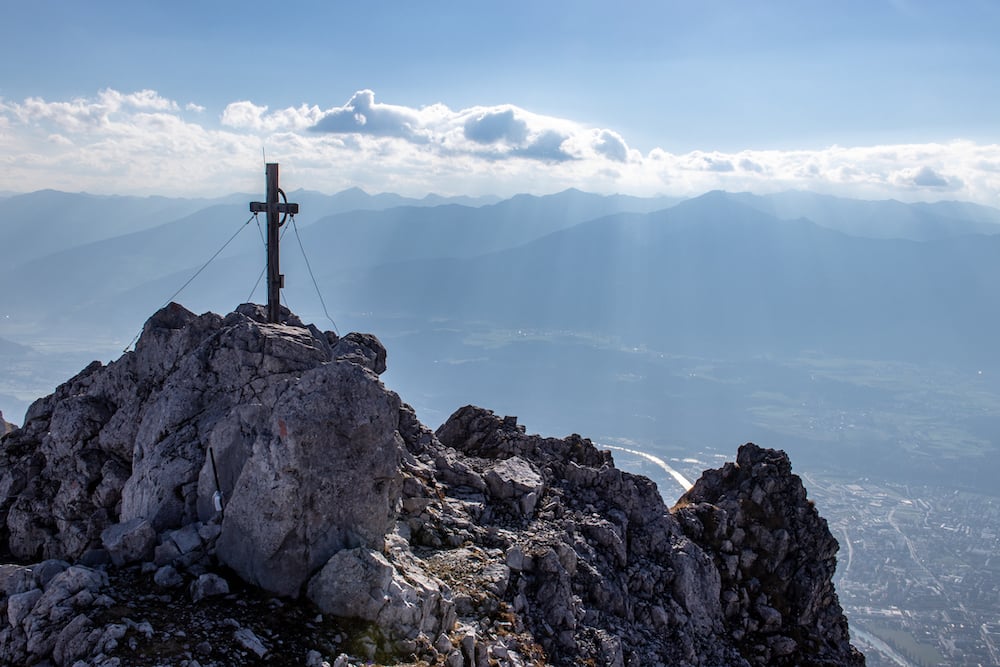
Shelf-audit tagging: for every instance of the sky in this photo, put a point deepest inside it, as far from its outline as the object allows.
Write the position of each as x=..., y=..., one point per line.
x=866, y=98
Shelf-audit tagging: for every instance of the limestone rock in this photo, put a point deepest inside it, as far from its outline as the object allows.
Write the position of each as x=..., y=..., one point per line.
x=361, y=583
x=354, y=582
x=208, y=585
x=275, y=451
x=20, y=604
x=782, y=599
x=136, y=441
x=515, y=480
x=363, y=349
x=54, y=620
x=326, y=480
x=5, y=426
x=246, y=638
x=574, y=578
x=129, y=542
x=48, y=570
x=15, y=579
x=168, y=577
x=75, y=640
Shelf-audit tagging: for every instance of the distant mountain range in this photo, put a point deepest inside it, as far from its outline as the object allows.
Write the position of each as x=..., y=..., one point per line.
x=713, y=275
x=84, y=274
x=887, y=219
x=48, y=221
x=733, y=273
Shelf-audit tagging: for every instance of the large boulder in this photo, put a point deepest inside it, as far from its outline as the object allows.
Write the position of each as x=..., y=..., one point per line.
x=288, y=427
x=128, y=542
x=397, y=595
x=325, y=478
x=211, y=367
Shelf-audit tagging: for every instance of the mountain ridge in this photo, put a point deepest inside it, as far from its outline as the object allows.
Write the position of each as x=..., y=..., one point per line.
x=275, y=451
x=696, y=264
x=920, y=221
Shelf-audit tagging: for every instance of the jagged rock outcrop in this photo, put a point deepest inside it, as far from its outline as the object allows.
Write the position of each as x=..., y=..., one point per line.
x=477, y=544
x=776, y=558
x=136, y=439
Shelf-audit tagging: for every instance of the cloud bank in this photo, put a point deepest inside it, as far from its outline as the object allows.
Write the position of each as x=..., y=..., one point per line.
x=143, y=143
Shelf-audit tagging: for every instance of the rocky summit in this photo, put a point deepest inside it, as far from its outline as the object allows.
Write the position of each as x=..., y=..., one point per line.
x=237, y=492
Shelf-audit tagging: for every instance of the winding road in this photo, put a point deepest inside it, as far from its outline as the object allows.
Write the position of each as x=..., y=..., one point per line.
x=656, y=460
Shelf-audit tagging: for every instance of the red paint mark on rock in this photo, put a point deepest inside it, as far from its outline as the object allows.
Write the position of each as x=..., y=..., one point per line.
x=282, y=428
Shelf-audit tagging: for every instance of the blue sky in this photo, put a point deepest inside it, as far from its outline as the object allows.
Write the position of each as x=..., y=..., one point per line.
x=864, y=98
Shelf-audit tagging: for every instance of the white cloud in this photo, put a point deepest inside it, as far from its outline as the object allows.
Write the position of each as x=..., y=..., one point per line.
x=611, y=145
x=363, y=115
x=143, y=143
x=60, y=139
x=715, y=161
x=248, y=116
x=244, y=114
x=547, y=146
x=924, y=177
x=490, y=127
x=144, y=99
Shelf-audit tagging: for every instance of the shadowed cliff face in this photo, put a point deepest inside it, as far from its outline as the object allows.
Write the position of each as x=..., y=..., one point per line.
x=478, y=542
x=776, y=558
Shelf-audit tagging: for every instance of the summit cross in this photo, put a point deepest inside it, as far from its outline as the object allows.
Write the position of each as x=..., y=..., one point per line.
x=275, y=280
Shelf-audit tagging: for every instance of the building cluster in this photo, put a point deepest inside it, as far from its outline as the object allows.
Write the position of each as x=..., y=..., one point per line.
x=918, y=570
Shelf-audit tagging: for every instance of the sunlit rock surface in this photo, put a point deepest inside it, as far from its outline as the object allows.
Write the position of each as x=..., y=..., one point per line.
x=5, y=426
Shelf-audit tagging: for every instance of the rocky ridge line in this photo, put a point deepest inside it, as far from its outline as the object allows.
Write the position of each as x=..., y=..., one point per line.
x=354, y=530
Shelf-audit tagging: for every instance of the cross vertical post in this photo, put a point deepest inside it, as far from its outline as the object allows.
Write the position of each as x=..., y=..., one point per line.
x=275, y=281
x=274, y=277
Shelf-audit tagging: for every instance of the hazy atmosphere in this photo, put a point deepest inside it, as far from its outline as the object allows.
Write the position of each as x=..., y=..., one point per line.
x=670, y=227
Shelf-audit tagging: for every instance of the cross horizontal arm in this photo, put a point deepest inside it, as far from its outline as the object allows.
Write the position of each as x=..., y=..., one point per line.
x=261, y=207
